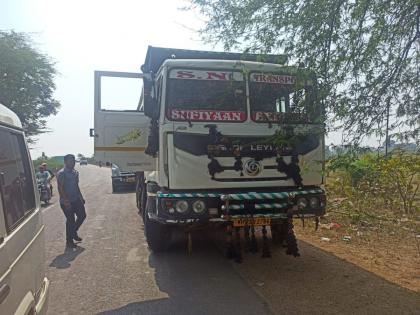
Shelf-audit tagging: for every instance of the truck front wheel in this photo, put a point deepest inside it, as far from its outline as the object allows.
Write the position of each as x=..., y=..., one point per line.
x=158, y=235
x=143, y=202
x=141, y=194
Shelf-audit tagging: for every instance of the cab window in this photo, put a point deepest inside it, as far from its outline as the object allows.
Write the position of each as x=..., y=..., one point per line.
x=278, y=98
x=206, y=95
x=16, y=184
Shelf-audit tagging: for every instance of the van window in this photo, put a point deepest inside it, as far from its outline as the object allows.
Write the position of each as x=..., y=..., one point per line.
x=16, y=185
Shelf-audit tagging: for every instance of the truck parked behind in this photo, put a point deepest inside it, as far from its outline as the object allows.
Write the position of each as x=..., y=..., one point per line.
x=122, y=181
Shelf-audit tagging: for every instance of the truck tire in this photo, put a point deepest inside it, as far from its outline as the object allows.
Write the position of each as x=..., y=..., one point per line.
x=141, y=196
x=138, y=194
x=143, y=202
x=157, y=235
x=139, y=187
x=114, y=188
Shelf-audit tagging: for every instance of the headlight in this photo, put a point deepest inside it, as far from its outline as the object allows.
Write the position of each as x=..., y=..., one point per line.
x=181, y=206
x=314, y=202
x=302, y=203
x=199, y=206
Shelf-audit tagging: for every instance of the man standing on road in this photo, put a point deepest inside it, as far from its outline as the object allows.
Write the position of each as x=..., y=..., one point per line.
x=71, y=199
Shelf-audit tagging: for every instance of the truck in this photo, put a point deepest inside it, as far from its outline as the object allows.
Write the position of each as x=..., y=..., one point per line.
x=219, y=139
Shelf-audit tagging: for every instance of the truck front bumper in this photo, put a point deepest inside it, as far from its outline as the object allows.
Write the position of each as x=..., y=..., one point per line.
x=224, y=207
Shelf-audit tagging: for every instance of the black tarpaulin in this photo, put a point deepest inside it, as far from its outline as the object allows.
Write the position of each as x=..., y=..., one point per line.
x=157, y=55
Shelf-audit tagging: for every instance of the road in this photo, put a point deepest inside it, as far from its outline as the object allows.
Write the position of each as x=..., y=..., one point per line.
x=113, y=272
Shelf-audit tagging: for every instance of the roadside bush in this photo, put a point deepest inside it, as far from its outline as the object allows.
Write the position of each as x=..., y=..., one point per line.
x=53, y=164
x=400, y=178
x=375, y=185
x=355, y=167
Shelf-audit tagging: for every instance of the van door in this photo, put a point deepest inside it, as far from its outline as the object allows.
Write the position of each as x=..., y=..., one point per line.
x=22, y=250
x=4, y=261
x=120, y=132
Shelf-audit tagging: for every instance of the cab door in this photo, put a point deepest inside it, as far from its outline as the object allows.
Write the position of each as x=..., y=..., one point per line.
x=120, y=135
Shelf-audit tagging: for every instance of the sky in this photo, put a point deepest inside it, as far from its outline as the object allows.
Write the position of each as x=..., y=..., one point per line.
x=86, y=35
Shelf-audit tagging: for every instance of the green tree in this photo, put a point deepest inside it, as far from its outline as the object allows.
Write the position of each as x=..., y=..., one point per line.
x=366, y=52
x=26, y=82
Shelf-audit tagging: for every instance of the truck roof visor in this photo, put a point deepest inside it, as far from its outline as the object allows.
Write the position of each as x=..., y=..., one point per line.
x=157, y=55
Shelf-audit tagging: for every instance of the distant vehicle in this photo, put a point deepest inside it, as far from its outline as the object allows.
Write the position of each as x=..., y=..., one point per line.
x=83, y=162
x=122, y=180
x=23, y=285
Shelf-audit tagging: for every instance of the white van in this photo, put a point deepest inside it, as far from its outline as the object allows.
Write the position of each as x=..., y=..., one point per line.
x=23, y=285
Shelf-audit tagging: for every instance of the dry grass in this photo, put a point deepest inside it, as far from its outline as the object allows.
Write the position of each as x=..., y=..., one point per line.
x=387, y=247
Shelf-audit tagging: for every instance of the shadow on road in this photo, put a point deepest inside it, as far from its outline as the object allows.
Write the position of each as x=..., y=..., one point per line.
x=317, y=282
x=203, y=283
x=64, y=260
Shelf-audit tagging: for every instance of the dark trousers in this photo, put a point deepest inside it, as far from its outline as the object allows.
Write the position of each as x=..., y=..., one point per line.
x=77, y=209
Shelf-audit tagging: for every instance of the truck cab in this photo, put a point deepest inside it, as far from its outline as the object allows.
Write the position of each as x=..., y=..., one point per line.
x=221, y=138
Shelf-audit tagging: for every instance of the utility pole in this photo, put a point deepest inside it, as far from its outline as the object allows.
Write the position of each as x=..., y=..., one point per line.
x=387, y=126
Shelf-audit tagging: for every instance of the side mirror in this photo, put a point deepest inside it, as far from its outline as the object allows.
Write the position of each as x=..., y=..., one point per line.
x=151, y=106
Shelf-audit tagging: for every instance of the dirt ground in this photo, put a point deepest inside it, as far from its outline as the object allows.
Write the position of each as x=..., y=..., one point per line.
x=335, y=277
x=392, y=253
x=112, y=271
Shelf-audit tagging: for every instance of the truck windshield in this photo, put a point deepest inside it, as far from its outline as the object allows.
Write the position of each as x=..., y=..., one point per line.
x=276, y=98
x=206, y=95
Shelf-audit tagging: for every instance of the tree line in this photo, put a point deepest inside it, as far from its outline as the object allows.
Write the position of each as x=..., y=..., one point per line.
x=366, y=53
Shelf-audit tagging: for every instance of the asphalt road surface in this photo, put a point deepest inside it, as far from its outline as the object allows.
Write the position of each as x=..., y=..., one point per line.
x=113, y=272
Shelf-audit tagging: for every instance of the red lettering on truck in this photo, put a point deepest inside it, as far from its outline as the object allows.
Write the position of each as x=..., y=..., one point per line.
x=206, y=115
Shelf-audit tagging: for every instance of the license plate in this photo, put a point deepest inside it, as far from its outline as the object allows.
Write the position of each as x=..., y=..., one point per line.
x=130, y=180
x=251, y=221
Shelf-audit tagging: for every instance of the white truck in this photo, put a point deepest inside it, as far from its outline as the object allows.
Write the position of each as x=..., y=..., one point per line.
x=219, y=139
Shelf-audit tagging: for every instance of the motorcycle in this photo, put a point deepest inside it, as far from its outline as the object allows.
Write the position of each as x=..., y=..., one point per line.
x=44, y=191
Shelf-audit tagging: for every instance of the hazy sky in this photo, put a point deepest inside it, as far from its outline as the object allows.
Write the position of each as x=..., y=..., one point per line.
x=87, y=35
